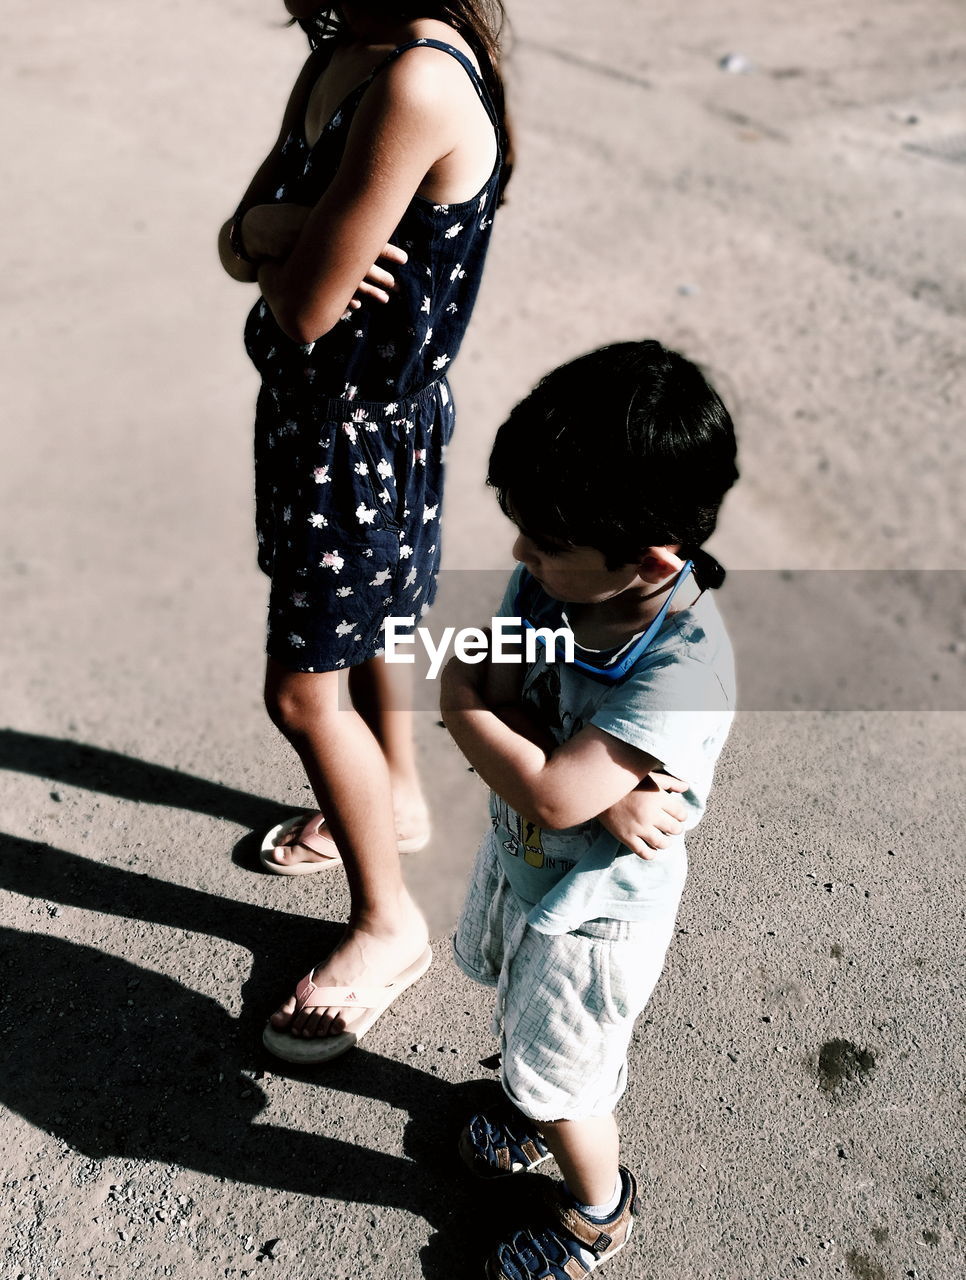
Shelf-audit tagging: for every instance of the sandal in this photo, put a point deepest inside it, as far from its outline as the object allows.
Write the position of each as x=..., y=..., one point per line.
x=553, y=1252
x=376, y=1000
x=497, y=1148
x=306, y=830
x=302, y=831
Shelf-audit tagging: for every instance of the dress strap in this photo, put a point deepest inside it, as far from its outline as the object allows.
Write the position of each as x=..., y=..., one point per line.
x=478, y=83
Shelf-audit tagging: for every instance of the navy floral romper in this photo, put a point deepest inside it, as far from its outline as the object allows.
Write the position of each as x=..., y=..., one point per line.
x=351, y=430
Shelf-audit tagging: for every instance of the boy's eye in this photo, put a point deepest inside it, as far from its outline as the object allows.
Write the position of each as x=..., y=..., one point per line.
x=548, y=548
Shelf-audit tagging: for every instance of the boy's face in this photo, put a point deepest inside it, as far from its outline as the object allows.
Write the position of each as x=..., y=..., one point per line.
x=576, y=575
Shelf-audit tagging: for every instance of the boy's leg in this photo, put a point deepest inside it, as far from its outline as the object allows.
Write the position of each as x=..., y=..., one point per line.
x=587, y=1152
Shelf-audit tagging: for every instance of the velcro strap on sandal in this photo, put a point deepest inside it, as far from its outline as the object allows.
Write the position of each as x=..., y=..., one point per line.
x=590, y=1233
x=587, y=1232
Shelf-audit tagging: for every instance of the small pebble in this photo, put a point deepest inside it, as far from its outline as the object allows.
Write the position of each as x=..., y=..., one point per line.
x=418, y=1048
x=735, y=64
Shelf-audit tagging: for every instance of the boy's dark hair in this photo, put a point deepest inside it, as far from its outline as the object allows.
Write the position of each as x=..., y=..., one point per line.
x=625, y=448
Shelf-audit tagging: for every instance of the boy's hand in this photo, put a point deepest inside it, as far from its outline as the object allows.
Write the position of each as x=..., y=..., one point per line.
x=646, y=818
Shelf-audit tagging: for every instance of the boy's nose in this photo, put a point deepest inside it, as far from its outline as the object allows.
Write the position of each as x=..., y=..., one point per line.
x=523, y=551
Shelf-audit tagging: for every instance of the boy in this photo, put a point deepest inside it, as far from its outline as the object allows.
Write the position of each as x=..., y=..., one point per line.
x=613, y=470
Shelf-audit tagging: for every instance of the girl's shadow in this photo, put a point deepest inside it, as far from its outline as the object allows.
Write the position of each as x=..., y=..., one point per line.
x=117, y=1060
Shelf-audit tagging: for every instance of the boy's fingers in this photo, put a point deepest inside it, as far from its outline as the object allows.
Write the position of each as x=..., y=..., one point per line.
x=639, y=847
x=670, y=826
x=667, y=783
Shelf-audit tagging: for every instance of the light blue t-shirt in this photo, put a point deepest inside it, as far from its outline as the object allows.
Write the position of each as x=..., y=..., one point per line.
x=677, y=704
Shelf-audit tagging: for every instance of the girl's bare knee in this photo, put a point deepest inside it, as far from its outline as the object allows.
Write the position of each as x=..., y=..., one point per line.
x=297, y=701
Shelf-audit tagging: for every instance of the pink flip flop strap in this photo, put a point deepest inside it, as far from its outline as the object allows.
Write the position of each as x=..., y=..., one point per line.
x=309, y=996
x=309, y=838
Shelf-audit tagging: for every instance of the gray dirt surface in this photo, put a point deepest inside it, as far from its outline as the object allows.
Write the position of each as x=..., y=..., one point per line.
x=797, y=1097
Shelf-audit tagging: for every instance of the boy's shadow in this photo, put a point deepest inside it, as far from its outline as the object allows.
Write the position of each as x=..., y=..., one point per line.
x=118, y=1060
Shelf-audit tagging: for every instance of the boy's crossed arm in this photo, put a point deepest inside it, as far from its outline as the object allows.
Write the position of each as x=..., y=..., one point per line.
x=593, y=775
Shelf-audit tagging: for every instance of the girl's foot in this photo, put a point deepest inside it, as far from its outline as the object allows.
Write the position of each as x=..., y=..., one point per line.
x=311, y=843
x=368, y=955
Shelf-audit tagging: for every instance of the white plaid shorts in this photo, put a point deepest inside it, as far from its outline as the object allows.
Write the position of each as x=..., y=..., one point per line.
x=566, y=1003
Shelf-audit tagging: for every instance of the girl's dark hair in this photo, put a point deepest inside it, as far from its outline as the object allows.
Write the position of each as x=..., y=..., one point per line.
x=626, y=448
x=479, y=22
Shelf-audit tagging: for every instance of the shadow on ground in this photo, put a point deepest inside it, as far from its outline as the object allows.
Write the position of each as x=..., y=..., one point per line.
x=75, y=764
x=120, y=1061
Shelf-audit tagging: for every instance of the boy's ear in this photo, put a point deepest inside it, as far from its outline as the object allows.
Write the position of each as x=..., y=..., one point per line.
x=658, y=563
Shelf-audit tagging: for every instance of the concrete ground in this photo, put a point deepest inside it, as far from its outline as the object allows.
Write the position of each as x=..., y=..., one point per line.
x=797, y=1096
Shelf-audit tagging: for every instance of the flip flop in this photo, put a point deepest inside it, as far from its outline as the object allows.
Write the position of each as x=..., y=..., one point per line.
x=305, y=829
x=308, y=996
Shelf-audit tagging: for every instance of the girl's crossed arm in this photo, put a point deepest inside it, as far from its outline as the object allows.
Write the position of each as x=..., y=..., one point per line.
x=270, y=229
x=402, y=127
x=266, y=176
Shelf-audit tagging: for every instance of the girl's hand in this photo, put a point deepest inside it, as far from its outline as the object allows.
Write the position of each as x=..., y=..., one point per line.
x=644, y=819
x=378, y=282
x=271, y=230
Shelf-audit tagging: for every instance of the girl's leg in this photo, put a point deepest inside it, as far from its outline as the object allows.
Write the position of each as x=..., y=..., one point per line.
x=382, y=695
x=348, y=772
x=587, y=1152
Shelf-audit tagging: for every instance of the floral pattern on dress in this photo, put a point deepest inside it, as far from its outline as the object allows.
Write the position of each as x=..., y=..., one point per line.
x=351, y=430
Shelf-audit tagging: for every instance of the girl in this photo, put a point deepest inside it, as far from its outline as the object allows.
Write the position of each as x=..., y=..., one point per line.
x=394, y=132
